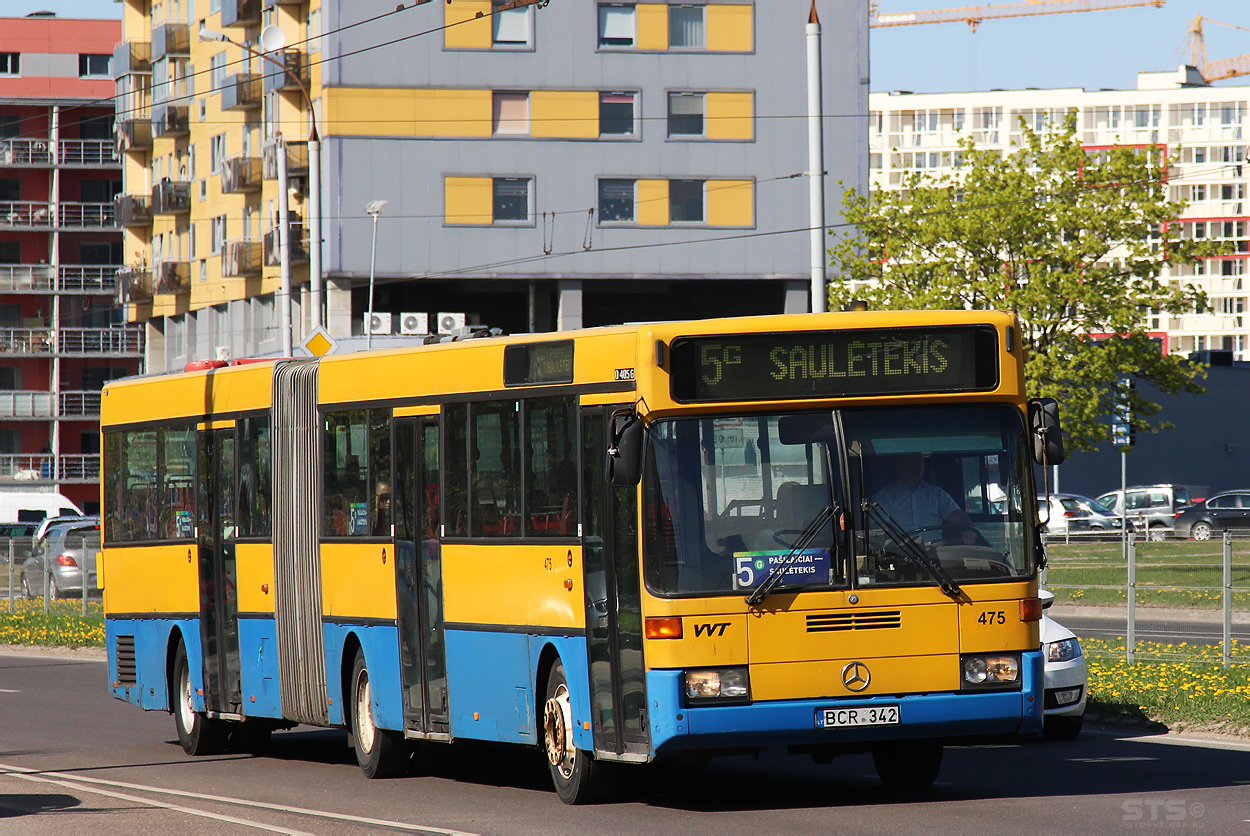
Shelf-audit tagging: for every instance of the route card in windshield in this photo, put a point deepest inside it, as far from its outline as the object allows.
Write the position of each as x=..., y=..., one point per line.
x=808, y=566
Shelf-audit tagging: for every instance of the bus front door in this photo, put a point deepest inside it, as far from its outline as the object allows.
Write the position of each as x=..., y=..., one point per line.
x=613, y=601
x=419, y=577
x=219, y=593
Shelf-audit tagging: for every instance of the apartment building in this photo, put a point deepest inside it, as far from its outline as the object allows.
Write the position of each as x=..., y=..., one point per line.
x=579, y=164
x=61, y=335
x=1203, y=127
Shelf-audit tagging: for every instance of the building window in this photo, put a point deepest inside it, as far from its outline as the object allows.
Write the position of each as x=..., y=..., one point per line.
x=511, y=114
x=685, y=201
x=10, y=126
x=616, y=201
x=216, y=234
x=216, y=153
x=617, y=25
x=685, y=114
x=217, y=70
x=616, y=114
x=10, y=63
x=509, y=27
x=685, y=27
x=94, y=65
x=511, y=197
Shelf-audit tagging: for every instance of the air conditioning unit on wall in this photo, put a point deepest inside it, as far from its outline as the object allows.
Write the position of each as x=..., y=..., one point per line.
x=414, y=323
x=449, y=323
x=380, y=324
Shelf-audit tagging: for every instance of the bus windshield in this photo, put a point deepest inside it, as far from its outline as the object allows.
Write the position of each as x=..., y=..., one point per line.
x=917, y=495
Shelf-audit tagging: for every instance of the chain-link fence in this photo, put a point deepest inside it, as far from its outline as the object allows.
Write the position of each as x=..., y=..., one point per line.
x=1153, y=579
x=61, y=565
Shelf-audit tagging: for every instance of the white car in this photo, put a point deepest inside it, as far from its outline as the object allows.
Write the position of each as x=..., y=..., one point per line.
x=1066, y=677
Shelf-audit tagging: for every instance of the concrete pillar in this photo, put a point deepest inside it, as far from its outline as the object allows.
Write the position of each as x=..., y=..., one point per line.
x=796, y=297
x=339, y=307
x=569, y=315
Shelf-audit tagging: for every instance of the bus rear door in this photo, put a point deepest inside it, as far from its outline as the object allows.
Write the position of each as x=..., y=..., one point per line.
x=219, y=592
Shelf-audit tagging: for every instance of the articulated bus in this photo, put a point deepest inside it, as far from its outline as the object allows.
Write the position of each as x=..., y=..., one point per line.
x=815, y=532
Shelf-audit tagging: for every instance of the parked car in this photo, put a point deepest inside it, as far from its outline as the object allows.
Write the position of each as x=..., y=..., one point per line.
x=1066, y=677
x=68, y=550
x=41, y=530
x=1079, y=516
x=1153, y=508
x=1227, y=511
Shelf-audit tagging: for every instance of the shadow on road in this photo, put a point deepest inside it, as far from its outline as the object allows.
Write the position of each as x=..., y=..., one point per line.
x=12, y=805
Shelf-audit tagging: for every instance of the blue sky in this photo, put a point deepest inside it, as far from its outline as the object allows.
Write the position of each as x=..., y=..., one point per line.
x=1090, y=49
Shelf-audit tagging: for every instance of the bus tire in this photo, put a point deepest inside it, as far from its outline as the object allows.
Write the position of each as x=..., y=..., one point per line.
x=381, y=753
x=908, y=766
x=578, y=777
x=197, y=733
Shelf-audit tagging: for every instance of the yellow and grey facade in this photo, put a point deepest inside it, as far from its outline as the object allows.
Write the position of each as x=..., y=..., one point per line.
x=583, y=163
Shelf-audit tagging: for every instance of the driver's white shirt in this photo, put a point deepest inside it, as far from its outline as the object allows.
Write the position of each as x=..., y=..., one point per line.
x=926, y=505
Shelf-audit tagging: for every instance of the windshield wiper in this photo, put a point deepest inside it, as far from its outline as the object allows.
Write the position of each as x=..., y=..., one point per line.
x=911, y=550
x=777, y=572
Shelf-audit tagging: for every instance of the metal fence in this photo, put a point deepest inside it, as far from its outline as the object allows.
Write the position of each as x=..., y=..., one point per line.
x=1209, y=579
x=59, y=566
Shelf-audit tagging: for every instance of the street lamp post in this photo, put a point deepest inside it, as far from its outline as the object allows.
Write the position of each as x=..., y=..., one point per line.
x=374, y=209
x=272, y=38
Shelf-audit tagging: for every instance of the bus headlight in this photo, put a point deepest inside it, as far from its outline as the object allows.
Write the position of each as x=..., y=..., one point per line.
x=719, y=684
x=990, y=670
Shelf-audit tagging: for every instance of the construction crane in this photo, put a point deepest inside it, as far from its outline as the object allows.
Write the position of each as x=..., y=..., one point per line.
x=973, y=15
x=1195, y=50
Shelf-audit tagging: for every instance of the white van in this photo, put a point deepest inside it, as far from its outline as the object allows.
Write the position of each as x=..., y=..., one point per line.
x=33, y=506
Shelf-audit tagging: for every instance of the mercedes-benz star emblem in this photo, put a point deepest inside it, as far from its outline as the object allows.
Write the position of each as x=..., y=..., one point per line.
x=855, y=676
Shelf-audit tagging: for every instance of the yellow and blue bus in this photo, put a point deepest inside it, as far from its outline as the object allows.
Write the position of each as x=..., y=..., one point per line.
x=815, y=532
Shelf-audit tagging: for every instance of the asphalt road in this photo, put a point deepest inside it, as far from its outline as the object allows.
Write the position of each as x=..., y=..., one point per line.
x=72, y=759
x=1150, y=626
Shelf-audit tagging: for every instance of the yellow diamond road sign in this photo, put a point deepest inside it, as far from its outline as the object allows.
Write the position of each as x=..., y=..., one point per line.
x=318, y=343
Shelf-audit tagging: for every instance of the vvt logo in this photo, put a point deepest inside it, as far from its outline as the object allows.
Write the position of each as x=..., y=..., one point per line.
x=711, y=629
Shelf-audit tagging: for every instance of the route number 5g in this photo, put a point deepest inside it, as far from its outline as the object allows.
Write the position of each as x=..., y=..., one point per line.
x=745, y=572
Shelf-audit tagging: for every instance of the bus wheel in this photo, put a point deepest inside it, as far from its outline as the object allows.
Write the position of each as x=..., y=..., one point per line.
x=578, y=777
x=198, y=734
x=908, y=766
x=381, y=753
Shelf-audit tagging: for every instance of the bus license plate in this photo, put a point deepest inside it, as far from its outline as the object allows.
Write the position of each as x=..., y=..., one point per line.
x=875, y=715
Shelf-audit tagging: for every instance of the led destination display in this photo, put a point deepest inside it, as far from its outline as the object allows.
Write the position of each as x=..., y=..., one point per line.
x=823, y=364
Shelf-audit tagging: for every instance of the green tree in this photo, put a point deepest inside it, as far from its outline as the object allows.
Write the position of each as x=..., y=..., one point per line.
x=1069, y=240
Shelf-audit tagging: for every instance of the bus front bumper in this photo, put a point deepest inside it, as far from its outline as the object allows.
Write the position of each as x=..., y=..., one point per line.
x=678, y=727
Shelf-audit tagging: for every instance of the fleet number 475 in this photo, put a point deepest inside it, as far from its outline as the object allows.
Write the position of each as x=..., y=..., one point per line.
x=991, y=617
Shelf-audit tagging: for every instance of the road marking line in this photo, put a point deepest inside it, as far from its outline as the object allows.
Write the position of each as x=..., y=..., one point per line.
x=9, y=691
x=1175, y=740
x=242, y=802
x=74, y=785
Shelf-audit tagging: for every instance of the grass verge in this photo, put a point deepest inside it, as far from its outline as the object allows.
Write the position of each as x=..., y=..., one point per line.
x=63, y=625
x=1180, y=686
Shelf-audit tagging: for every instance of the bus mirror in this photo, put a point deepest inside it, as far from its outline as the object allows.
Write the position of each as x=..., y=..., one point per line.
x=625, y=449
x=1044, y=427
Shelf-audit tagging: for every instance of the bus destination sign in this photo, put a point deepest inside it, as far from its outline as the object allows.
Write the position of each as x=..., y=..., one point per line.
x=823, y=364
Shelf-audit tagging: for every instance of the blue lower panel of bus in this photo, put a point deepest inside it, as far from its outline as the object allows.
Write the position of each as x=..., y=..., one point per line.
x=676, y=727
x=491, y=687
x=380, y=642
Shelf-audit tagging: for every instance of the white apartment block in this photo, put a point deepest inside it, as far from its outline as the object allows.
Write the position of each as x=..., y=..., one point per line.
x=1204, y=127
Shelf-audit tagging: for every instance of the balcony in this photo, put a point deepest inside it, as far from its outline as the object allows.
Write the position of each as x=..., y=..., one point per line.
x=269, y=4
x=43, y=405
x=171, y=197
x=171, y=40
x=172, y=277
x=132, y=210
x=134, y=284
x=26, y=278
x=296, y=159
x=86, y=216
x=241, y=92
x=240, y=12
x=43, y=467
x=36, y=152
x=134, y=134
x=87, y=152
x=95, y=342
x=298, y=244
x=26, y=214
x=170, y=120
x=241, y=257
x=26, y=342
x=80, y=404
x=241, y=174
x=87, y=278
x=295, y=72
x=132, y=57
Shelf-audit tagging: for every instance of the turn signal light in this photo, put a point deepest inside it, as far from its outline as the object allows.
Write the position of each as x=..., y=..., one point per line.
x=1031, y=609
x=668, y=627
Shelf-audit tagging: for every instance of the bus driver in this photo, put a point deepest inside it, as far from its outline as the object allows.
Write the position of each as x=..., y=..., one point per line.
x=915, y=504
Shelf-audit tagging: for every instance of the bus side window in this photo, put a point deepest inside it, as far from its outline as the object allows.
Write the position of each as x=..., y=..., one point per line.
x=346, y=509
x=551, y=470
x=496, y=469
x=456, y=472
